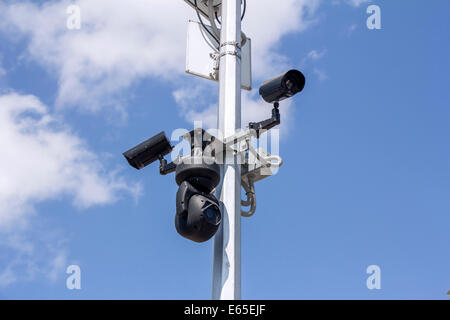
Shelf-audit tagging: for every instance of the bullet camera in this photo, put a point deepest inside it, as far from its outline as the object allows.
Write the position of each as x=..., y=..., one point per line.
x=283, y=86
x=275, y=90
x=198, y=215
x=149, y=151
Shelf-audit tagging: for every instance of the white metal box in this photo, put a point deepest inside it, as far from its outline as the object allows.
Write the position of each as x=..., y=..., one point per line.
x=199, y=60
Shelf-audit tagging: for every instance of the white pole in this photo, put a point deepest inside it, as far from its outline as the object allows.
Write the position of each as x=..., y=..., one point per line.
x=227, y=243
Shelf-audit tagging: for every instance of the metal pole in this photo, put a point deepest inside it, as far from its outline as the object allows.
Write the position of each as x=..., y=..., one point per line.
x=227, y=243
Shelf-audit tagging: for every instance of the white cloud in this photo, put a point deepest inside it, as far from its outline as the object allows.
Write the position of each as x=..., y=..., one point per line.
x=313, y=56
x=2, y=69
x=321, y=75
x=31, y=254
x=316, y=55
x=254, y=109
x=42, y=160
x=352, y=28
x=267, y=22
x=121, y=42
x=357, y=3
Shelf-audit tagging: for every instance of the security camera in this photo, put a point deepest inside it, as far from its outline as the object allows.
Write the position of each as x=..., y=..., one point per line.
x=148, y=151
x=198, y=215
x=273, y=91
x=283, y=86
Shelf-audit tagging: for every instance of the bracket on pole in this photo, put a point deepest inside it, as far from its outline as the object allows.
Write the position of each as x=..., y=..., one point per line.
x=268, y=124
x=166, y=168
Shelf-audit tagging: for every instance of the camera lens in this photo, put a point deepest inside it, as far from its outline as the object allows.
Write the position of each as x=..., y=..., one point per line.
x=283, y=86
x=198, y=214
x=212, y=214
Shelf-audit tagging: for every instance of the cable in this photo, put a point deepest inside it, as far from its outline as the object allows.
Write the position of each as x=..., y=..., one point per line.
x=245, y=9
x=251, y=198
x=211, y=19
x=201, y=21
x=216, y=33
x=208, y=40
x=217, y=18
x=243, y=13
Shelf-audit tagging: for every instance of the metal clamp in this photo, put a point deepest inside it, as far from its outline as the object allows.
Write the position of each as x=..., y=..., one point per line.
x=232, y=53
x=231, y=43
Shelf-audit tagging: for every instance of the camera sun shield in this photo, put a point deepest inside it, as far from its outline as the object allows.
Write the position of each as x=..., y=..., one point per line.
x=148, y=151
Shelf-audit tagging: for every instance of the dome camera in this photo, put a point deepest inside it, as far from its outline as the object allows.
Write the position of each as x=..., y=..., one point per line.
x=198, y=215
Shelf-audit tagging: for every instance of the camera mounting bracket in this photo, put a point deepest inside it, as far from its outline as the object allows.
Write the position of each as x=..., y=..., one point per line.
x=257, y=164
x=166, y=168
x=199, y=140
x=268, y=124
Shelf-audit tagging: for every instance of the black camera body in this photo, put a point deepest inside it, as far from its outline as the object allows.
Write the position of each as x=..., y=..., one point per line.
x=198, y=215
x=148, y=151
x=282, y=87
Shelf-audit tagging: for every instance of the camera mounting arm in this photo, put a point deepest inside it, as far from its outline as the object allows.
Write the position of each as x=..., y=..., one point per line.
x=268, y=124
x=166, y=168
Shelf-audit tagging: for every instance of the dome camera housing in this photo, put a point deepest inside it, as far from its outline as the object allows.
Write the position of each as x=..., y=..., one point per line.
x=198, y=214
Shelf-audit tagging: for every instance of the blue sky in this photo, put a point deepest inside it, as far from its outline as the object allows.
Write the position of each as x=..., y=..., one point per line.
x=366, y=177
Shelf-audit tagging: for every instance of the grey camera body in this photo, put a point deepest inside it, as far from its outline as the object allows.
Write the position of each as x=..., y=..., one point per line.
x=282, y=87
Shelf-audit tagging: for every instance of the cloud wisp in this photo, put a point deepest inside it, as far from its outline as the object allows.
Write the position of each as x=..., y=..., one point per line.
x=120, y=43
x=42, y=159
